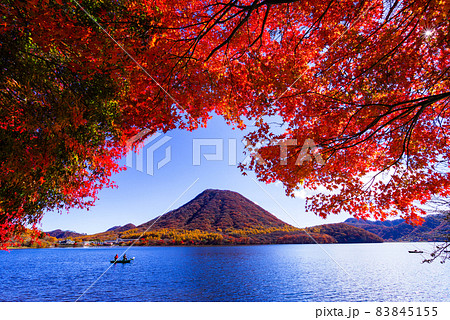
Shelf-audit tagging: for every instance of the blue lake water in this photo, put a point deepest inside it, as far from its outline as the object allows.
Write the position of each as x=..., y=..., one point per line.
x=373, y=272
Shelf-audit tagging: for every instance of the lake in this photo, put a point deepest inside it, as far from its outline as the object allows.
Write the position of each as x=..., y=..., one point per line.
x=373, y=272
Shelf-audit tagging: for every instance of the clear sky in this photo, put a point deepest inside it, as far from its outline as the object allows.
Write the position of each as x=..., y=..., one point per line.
x=141, y=196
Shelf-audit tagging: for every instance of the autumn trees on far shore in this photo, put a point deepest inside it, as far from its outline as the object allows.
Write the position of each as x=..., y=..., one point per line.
x=367, y=81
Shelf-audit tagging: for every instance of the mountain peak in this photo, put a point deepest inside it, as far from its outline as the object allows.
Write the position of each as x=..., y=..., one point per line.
x=62, y=234
x=214, y=192
x=217, y=209
x=122, y=228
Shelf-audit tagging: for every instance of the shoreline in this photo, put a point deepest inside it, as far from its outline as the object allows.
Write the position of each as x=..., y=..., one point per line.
x=219, y=245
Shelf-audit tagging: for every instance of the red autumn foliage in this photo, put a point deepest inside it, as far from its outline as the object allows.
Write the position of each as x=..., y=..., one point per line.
x=368, y=82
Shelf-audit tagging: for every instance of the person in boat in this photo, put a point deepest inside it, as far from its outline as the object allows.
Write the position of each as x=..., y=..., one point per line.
x=125, y=256
x=116, y=257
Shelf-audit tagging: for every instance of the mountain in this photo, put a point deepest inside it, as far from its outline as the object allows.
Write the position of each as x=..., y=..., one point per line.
x=345, y=233
x=236, y=219
x=216, y=209
x=226, y=217
x=122, y=228
x=433, y=228
x=62, y=234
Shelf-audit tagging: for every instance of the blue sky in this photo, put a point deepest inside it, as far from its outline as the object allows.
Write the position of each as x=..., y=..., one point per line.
x=141, y=196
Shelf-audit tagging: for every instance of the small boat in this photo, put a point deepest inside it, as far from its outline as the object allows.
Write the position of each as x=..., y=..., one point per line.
x=415, y=251
x=122, y=260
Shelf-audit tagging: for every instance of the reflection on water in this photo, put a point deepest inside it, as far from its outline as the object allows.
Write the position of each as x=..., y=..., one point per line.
x=345, y=272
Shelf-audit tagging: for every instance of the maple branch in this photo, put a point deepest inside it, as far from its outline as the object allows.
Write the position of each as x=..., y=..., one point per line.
x=349, y=141
x=313, y=25
x=262, y=27
x=216, y=19
x=235, y=30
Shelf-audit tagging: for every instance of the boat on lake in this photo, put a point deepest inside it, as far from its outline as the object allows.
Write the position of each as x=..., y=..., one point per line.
x=122, y=260
x=415, y=251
